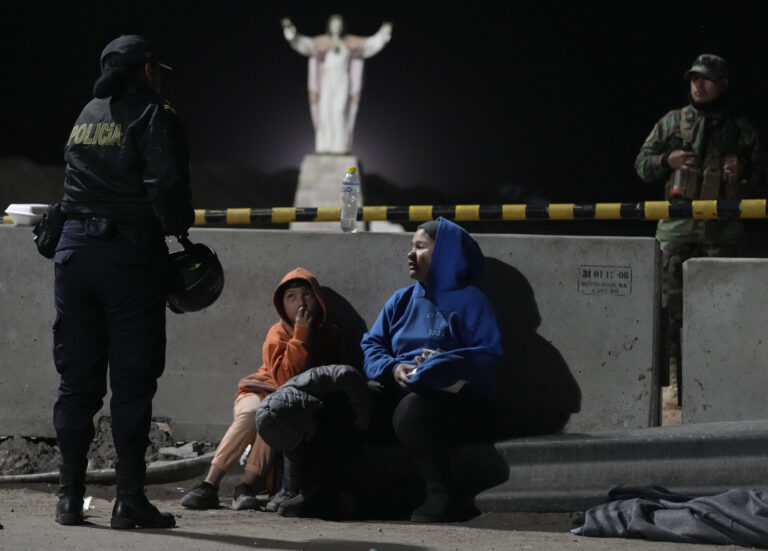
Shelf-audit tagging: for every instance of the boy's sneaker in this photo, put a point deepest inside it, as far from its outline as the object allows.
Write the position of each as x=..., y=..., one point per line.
x=246, y=497
x=203, y=496
x=274, y=503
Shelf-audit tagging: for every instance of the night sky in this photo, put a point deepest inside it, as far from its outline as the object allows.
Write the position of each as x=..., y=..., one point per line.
x=487, y=101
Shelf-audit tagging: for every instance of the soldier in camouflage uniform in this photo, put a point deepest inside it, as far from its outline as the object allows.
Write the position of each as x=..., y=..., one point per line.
x=701, y=151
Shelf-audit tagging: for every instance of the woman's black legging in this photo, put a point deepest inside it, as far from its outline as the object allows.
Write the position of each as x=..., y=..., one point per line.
x=428, y=424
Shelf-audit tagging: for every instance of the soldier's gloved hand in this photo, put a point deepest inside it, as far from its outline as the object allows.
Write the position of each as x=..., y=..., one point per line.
x=732, y=164
x=679, y=159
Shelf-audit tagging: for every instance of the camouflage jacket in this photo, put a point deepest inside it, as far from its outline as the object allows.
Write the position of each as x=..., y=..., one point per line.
x=712, y=136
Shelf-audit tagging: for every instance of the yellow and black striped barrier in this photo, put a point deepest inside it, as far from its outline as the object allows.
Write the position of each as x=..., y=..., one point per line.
x=647, y=210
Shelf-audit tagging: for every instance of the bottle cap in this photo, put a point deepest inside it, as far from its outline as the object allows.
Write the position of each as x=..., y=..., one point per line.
x=352, y=169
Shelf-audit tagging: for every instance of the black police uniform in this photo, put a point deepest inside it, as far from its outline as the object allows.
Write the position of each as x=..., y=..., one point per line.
x=126, y=188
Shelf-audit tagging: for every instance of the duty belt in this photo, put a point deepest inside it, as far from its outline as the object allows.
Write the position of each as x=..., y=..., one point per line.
x=107, y=229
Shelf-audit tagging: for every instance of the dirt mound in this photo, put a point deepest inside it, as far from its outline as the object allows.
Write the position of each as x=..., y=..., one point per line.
x=28, y=455
x=20, y=455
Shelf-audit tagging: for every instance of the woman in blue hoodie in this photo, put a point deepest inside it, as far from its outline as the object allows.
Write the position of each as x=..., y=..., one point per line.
x=436, y=350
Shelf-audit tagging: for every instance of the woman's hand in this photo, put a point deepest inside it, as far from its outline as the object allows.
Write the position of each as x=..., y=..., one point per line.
x=403, y=374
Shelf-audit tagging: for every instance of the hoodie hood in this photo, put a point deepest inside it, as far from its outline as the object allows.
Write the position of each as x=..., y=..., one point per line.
x=457, y=260
x=277, y=295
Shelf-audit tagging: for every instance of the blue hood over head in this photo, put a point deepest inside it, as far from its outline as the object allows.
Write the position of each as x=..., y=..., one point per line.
x=449, y=317
x=457, y=260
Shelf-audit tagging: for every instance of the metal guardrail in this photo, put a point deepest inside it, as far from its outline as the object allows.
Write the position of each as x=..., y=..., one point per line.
x=645, y=210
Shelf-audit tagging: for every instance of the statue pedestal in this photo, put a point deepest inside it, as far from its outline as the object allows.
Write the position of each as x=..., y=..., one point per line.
x=319, y=185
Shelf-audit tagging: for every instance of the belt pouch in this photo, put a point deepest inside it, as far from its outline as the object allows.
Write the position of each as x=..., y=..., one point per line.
x=102, y=228
x=710, y=187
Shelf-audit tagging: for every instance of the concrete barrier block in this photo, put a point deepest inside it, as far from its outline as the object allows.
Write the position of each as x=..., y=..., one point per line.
x=579, y=316
x=724, y=340
x=29, y=379
x=580, y=320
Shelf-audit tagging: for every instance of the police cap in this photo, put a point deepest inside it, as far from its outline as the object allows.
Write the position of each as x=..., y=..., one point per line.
x=711, y=66
x=133, y=50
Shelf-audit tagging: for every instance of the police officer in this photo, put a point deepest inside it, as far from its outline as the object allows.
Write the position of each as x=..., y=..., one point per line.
x=701, y=151
x=126, y=187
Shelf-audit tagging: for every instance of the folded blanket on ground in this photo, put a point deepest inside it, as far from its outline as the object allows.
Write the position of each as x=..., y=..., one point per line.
x=735, y=517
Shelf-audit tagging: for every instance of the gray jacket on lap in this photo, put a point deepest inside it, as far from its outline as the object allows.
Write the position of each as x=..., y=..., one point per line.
x=283, y=416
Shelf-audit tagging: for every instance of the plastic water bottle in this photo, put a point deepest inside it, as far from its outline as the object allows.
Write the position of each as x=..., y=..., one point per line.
x=350, y=200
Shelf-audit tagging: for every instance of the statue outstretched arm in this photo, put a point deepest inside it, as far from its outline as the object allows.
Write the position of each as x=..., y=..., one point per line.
x=374, y=43
x=302, y=44
x=362, y=46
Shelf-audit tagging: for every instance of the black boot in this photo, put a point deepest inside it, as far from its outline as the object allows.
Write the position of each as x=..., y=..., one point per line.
x=136, y=511
x=69, y=509
x=132, y=508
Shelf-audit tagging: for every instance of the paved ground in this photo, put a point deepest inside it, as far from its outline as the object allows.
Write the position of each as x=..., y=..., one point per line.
x=26, y=514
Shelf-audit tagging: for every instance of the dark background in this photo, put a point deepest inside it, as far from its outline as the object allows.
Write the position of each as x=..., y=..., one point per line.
x=483, y=102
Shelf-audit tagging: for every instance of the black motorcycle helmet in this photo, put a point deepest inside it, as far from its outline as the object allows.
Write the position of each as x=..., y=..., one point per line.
x=196, y=277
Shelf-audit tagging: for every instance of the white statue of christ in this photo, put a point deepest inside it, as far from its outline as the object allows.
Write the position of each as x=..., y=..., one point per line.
x=335, y=78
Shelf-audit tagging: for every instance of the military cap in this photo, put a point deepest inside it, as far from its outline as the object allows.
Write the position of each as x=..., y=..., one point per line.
x=133, y=50
x=711, y=66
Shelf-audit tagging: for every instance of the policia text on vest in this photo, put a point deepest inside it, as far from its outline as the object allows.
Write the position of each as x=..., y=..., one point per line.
x=100, y=133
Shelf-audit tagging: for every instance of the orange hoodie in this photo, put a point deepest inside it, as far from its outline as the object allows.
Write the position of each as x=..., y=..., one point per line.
x=289, y=350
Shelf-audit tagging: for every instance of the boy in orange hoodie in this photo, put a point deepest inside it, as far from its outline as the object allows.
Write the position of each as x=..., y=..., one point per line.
x=300, y=340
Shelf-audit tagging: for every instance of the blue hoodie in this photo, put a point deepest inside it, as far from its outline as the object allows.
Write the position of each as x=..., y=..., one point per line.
x=449, y=315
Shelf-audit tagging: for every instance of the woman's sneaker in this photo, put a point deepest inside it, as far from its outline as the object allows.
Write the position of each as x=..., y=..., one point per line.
x=274, y=503
x=203, y=496
x=438, y=507
x=300, y=505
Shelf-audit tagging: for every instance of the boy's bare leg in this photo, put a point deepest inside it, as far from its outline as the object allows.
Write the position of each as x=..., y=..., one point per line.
x=252, y=479
x=215, y=475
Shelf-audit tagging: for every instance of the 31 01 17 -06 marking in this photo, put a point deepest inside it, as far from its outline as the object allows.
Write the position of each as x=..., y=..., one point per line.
x=605, y=280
